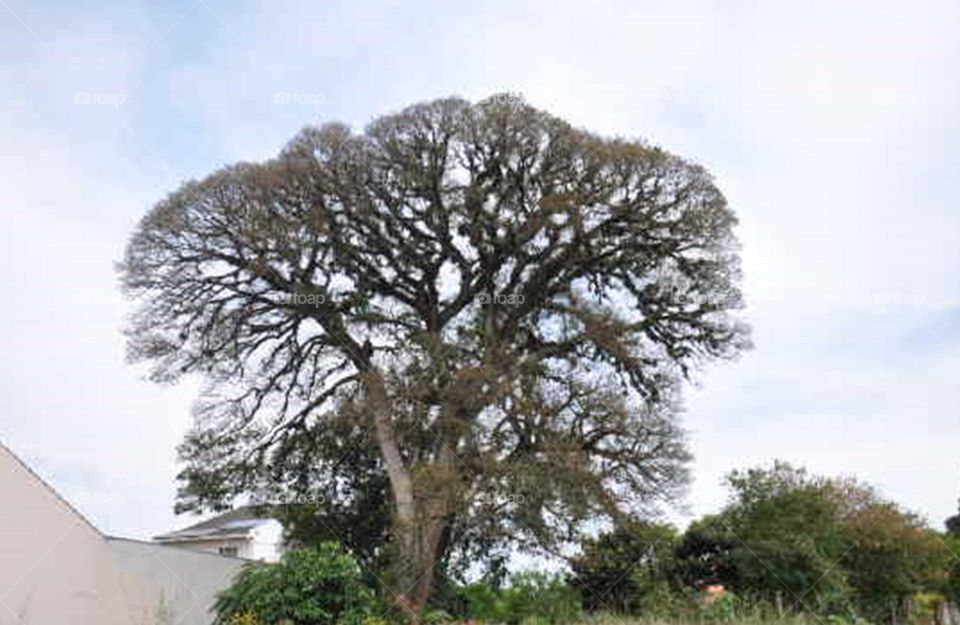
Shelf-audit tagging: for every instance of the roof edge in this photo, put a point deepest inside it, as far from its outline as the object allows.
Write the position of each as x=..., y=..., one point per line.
x=166, y=538
x=30, y=471
x=148, y=543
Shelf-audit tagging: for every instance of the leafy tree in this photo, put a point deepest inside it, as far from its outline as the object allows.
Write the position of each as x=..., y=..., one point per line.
x=951, y=581
x=826, y=545
x=505, y=302
x=787, y=530
x=318, y=586
x=893, y=556
x=618, y=569
x=704, y=555
x=953, y=525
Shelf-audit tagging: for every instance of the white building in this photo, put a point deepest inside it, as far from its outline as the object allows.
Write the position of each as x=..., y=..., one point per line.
x=56, y=568
x=238, y=533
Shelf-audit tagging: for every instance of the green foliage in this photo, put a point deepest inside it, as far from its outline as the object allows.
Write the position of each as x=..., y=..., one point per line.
x=831, y=547
x=532, y=598
x=951, y=579
x=926, y=604
x=319, y=586
x=953, y=525
x=723, y=609
x=787, y=532
x=622, y=570
x=894, y=556
x=541, y=598
x=704, y=555
x=433, y=617
x=484, y=603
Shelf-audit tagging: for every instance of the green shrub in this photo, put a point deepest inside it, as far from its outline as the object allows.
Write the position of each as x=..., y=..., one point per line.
x=655, y=596
x=484, y=603
x=532, y=598
x=723, y=609
x=434, y=617
x=541, y=599
x=318, y=586
x=617, y=569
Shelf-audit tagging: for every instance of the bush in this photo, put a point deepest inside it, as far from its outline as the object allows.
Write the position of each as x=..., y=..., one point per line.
x=319, y=586
x=541, y=599
x=484, y=603
x=532, y=598
x=620, y=570
x=723, y=609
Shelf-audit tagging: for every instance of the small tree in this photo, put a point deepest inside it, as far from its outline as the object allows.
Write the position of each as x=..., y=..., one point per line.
x=318, y=586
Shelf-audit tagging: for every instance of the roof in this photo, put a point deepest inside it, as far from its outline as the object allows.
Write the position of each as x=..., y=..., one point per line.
x=236, y=523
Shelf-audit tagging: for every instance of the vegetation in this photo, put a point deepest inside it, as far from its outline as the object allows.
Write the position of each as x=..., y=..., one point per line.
x=624, y=570
x=318, y=586
x=789, y=547
x=493, y=307
x=787, y=540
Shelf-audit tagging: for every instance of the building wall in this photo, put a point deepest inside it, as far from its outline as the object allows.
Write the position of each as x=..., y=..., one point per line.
x=243, y=546
x=181, y=585
x=53, y=564
x=267, y=544
x=57, y=569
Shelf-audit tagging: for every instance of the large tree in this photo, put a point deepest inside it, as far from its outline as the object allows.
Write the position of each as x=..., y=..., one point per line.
x=502, y=303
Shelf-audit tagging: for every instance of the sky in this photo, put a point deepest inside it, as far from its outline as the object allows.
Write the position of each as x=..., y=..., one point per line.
x=832, y=127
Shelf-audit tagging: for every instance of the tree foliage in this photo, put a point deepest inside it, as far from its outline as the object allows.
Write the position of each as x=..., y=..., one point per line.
x=530, y=598
x=953, y=524
x=823, y=545
x=619, y=569
x=502, y=303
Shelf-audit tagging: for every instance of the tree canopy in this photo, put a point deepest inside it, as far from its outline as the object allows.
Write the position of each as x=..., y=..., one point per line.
x=495, y=306
x=823, y=545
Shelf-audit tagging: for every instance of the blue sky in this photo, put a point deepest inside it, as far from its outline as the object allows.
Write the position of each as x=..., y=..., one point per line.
x=832, y=127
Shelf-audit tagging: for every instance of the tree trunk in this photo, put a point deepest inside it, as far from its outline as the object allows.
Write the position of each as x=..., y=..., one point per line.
x=422, y=513
x=428, y=537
